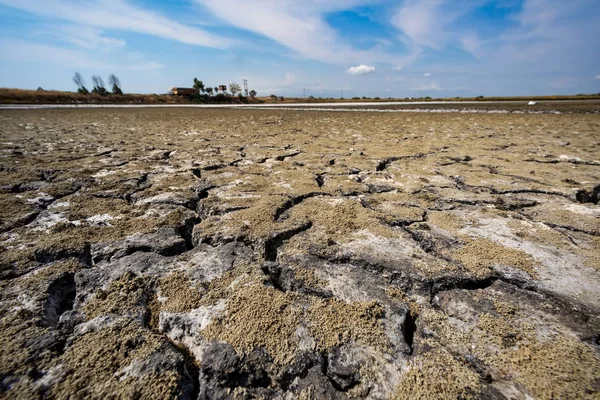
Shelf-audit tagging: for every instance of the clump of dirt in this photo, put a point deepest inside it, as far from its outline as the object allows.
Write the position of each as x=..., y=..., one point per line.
x=480, y=254
x=505, y=309
x=438, y=375
x=68, y=234
x=421, y=200
x=40, y=277
x=126, y=294
x=16, y=261
x=293, y=181
x=13, y=210
x=171, y=182
x=564, y=217
x=181, y=297
x=334, y=322
x=259, y=316
x=256, y=222
x=83, y=206
x=395, y=293
x=17, y=331
x=437, y=321
x=539, y=233
x=432, y=267
x=561, y=368
x=586, y=246
x=223, y=286
x=591, y=252
x=337, y=219
x=500, y=331
x=309, y=278
x=92, y=361
x=509, y=344
x=445, y=220
x=397, y=214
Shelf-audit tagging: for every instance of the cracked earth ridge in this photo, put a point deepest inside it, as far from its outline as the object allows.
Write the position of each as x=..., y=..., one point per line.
x=282, y=254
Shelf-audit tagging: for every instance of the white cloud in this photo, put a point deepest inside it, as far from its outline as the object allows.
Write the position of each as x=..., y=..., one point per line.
x=424, y=88
x=397, y=68
x=562, y=83
x=597, y=77
x=289, y=79
x=115, y=14
x=360, y=70
x=428, y=23
x=426, y=74
x=471, y=44
x=552, y=33
x=300, y=26
x=82, y=36
x=18, y=50
x=418, y=21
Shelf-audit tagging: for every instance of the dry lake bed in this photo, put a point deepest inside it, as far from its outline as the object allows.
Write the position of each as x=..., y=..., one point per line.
x=281, y=254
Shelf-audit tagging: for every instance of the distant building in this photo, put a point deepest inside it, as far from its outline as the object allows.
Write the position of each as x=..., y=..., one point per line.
x=177, y=91
x=222, y=88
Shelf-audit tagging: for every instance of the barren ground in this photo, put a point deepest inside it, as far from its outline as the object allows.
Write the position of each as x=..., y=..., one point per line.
x=187, y=253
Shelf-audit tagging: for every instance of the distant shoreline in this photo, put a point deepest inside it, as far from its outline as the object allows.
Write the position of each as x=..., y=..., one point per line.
x=476, y=107
x=34, y=97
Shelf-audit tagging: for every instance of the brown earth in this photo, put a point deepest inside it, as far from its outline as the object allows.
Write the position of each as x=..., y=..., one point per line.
x=196, y=253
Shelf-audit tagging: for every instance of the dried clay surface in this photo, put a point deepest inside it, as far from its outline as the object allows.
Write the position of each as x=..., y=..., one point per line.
x=282, y=254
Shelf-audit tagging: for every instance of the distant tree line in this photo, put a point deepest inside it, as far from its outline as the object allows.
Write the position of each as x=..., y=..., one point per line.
x=99, y=87
x=219, y=94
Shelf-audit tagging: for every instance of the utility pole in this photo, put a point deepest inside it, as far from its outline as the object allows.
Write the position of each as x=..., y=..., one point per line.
x=246, y=87
x=342, y=95
x=304, y=93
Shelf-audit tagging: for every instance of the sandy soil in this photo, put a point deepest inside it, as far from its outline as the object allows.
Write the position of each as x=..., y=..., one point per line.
x=207, y=253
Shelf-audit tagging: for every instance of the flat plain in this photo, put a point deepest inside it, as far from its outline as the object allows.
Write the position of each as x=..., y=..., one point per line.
x=220, y=253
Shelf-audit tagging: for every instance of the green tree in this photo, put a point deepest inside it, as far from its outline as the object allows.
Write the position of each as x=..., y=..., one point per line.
x=198, y=85
x=234, y=88
x=78, y=79
x=98, y=85
x=253, y=93
x=115, y=83
x=209, y=90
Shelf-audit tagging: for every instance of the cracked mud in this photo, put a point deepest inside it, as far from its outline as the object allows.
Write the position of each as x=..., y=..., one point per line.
x=215, y=254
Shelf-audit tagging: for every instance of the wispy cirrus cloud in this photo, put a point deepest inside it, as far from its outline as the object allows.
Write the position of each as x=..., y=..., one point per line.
x=418, y=21
x=562, y=36
x=429, y=23
x=119, y=15
x=19, y=50
x=84, y=37
x=301, y=27
x=425, y=88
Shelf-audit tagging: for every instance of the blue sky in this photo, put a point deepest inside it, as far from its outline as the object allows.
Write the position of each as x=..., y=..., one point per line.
x=386, y=48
